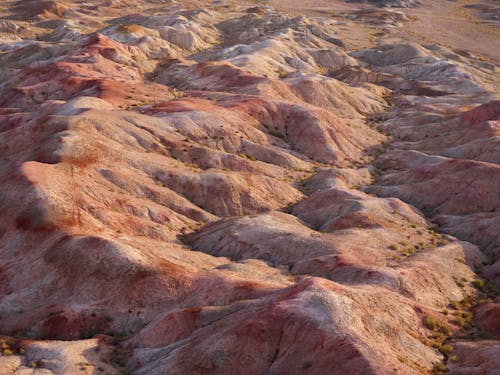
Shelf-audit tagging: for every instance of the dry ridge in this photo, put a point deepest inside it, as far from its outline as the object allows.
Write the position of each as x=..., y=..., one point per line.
x=231, y=187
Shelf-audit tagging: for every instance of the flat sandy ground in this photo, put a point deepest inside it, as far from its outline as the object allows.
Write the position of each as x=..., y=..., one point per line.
x=442, y=22
x=454, y=26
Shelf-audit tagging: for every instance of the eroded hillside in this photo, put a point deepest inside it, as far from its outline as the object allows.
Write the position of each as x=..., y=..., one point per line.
x=245, y=188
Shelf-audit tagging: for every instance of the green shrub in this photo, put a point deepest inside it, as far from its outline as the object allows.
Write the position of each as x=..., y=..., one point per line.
x=446, y=348
x=439, y=369
x=478, y=284
x=431, y=322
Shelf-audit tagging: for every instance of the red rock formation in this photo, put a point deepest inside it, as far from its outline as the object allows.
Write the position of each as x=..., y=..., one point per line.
x=190, y=189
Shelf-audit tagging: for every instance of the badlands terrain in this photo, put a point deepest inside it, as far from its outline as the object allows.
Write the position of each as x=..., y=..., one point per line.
x=249, y=187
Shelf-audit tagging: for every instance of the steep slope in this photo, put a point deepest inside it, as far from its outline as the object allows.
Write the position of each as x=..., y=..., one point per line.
x=223, y=188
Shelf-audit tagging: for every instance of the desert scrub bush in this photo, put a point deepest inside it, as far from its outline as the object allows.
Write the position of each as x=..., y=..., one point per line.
x=10, y=346
x=158, y=182
x=6, y=348
x=439, y=369
x=430, y=322
x=436, y=326
x=408, y=251
x=177, y=93
x=478, y=284
x=464, y=304
x=458, y=281
x=249, y=157
x=282, y=73
x=462, y=319
x=467, y=315
x=443, y=348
